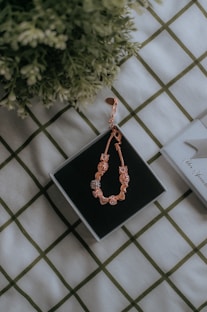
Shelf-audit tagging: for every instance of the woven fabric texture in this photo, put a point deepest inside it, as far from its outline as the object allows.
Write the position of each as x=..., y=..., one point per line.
x=157, y=261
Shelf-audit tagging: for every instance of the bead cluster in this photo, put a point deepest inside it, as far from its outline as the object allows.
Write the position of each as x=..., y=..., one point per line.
x=96, y=183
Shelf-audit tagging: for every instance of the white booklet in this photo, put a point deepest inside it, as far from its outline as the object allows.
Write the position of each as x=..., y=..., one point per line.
x=187, y=153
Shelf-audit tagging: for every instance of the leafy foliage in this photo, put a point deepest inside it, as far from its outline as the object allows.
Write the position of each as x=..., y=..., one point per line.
x=64, y=50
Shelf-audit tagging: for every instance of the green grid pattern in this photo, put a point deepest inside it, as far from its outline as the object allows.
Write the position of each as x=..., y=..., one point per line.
x=49, y=260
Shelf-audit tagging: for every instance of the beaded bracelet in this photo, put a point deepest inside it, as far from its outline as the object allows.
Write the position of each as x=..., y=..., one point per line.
x=103, y=165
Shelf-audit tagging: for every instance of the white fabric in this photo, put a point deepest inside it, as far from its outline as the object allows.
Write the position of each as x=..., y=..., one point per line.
x=157, y=260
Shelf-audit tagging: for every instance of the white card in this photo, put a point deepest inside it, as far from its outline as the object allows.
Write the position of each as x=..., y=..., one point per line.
x=187, y=153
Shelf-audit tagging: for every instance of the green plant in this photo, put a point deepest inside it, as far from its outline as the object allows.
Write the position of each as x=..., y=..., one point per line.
x=64, y=50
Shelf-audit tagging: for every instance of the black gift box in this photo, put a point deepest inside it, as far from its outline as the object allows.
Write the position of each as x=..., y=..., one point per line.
x=73, y=179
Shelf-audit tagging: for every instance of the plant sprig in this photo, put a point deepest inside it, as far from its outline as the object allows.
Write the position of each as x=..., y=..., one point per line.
x=66, y=51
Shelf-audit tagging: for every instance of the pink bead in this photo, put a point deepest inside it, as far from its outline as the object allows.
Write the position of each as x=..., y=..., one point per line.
x=103, y=166
x=104, y=157
x=103, y=200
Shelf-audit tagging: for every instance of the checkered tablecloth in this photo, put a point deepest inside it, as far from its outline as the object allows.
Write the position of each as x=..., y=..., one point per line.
x=157, y=261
